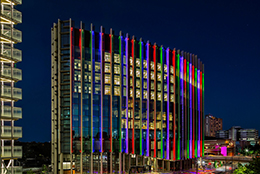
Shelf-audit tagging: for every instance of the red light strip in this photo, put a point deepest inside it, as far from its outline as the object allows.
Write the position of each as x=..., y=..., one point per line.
x=173, y=113
x=193, y=109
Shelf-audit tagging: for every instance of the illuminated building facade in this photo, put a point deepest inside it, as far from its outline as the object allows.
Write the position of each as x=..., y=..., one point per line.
x=119, y=102
x=10, y=94
x=212, y=125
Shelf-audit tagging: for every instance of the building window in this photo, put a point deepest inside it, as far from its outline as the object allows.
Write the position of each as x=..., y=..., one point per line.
x=137, y=73
x=131, y=92
x=137, y=62
x=165, y=68
x=116, y=58
x=159, y=96
x=152, y=75
x=145, y=85
x=107, y=57
x=152, y=95
x=172, y=79
x=145, y=74
x=107, y=78
x=152, y=65
x=171, y=69
x=165, y=97
x=145, y=64
x=159, y=68
x=107, y=67
x=159, y=87
x=131, y=61
x=117, y=90
x=117, y=69
x=137, y=93
x=107, y=89
x=138, y=83
x=131, y=72
x=145, y=94
x=117, y=80
x=159, y=78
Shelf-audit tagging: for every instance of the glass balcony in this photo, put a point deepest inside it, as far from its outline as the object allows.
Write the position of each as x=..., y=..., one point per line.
x=7, y=132
x=17, y=152
x=7, y=112
x=6, y=92
x=6, y=32
x=15, y=74
x=17, y=1
x=7, y=12
x=7, y=51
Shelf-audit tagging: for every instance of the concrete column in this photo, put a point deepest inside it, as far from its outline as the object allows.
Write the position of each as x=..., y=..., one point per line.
x=120, y=163
x=61, y=163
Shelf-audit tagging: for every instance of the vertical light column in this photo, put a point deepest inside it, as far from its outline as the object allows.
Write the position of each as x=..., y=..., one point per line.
x=101, y=34
x=127, y=88
x=178, y=101
x=196, y=106
x=203, y=69
x=185, y=150
x=111, y=87
x=121, y=87
x=168, y=104
x=198, y=89
x=162, y=99
x=188, y=104
x=191, y=120
x=148, y=98
x=141, y=96
x=174, y=106
x=155, y=97
x=193, y=109
x=201, y=111
x=182, y=104
x=134, y=94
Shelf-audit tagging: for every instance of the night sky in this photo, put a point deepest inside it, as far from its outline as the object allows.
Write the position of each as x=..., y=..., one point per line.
x=225, y=34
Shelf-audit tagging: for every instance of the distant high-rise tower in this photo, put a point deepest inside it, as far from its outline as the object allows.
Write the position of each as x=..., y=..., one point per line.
x=119, y=102
x=10, y=74
x=212, y=125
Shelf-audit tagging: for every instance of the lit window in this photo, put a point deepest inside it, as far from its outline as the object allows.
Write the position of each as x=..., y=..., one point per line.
x=107, y=67
x=137, y=93
x=159, y=96
x=117, y=69
x=159, y=77
x=152, y=95
x=117, y=80
x=97, y=67
x=171, y=69
x=145, y=74
x=124, y=91
x=159, y=68
x=165, y=87
x=131, y=72
x=107, y=78
x=172, y=90
x=117, y=90
x=138, y=83
x=124, y=80
x=137, y=73
x=97, y=78
x=107, y=57
x=145, y=85
x=131, y=61
x=107, y=90
x=159, y=87
x=172, y=97
x=172, y=79
x=165, y=97
x=152, y=65
x=165, y=68
x=165, y=76
x=124, y=70
x=124, y=60
x=116, y=58
x=152, y=75
x=131, y=92
x=131, y=82
x=145, y=64
x=152, y=85
x=137, y=62
x=145, y=94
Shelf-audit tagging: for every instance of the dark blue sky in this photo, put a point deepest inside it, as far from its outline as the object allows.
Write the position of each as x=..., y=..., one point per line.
x=225, y=34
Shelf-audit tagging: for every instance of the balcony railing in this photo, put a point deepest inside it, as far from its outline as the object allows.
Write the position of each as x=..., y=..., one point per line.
x=7, y=92
x=17, y=152
x=10, y=33
x=7, y=12
x=7, y=112
x=7, y=51
x=13, y=73
x=7, y=132
x=17, y=1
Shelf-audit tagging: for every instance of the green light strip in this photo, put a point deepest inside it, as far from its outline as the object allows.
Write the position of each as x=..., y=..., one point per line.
x=188, y=108
x=141, y=99
x=196, y=114
x=178, y=100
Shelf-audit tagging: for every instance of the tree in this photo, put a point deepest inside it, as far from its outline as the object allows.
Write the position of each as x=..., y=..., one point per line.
x=252, y=168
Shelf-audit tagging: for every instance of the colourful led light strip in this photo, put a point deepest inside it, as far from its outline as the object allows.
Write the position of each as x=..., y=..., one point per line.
x=127, y=93
x=174, y=107
x=168, y=104
x=121, y=90
x=155, y=95
x=92, y=82
x=198, y=88
x=188, y=104
x=203, y=111
x=178, y=89
x=141, y=96
x=162, y=96
x=196, y=115
x=182, y=105
x=101, y=96
x=193, y=111
x=148, y=100
x=191, y=121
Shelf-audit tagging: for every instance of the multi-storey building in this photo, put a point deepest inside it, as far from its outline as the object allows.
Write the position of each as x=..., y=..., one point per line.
x=212, y=125
x=10, y=74
x=118, y=102
x=222, y=134
x=250, y=135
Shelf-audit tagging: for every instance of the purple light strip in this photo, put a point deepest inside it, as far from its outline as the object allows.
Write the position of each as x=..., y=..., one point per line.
x=190, y=107
x=198, y=88
x=101, y=100
x=182, y=115
x=148, y=97
x=168, y=104
x=126, y=52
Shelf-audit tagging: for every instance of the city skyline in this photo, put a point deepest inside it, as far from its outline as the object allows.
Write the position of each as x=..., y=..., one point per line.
x=223, y=36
